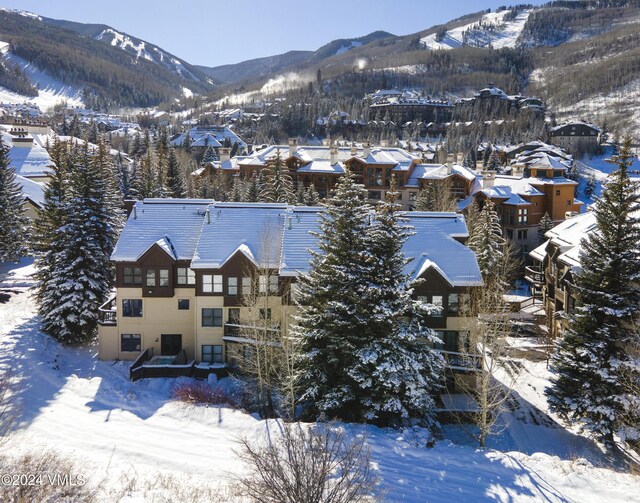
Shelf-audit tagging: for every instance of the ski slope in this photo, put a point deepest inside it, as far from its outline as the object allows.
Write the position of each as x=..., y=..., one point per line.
x=490, y=30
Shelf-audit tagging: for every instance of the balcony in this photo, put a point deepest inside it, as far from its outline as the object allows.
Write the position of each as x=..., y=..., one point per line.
x=465, y=362
x=534, y=275
x=245, y=331
x=107, y=314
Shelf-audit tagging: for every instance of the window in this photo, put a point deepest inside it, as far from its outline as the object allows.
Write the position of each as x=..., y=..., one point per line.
x=132, y=276
x=452, y=303
x=375, y=195
x=132, y=308
x=557, y=192
x=232, y=286
x=522, y=235
x=212, y=283
x=273, y=284
x=246, y=285
x=212, y=317
x=183, y=304
x=130, y=342
x=234, y=315
x=568, y=202
x=436, y=300
x=265, y=314
x=523, y=216
x=509, y=234
x=151, y=277
x=212, y=353
x=262, y=284
x=186, y=276
x=412, y=197
x=164, y=277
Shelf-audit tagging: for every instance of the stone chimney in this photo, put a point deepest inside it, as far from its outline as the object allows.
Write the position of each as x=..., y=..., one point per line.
x=333, y=154
x=354, y=151
x=293, y=146
x=225, y=153
x=450, y=158
x=488, y=178
x=366, y=149
x=459, y=158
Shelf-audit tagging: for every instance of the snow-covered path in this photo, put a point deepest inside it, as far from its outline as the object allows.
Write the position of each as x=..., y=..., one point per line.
x=88, y=409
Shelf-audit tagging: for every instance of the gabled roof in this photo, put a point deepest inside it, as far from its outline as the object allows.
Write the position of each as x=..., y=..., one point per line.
x=254, y=229
x=165, y=222
x=34, y=191
x=31, y=161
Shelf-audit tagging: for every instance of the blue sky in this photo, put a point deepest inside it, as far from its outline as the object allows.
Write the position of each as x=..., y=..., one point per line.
x=216, y=32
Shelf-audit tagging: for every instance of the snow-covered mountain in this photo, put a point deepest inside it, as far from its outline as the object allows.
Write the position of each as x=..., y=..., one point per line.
x=494, y=29
x=58, y=60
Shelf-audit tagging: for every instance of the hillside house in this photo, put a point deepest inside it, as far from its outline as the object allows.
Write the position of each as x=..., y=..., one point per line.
x=185, y=269
x=575, y=136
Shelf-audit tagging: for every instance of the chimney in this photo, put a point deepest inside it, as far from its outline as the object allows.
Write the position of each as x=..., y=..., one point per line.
x=333, y=154
x=488, y=178
x=225, y=154
x=384, y=143
x=354, y=151
x=450, y=158
x=293, y=146
x=366, y=149
x=459, y=158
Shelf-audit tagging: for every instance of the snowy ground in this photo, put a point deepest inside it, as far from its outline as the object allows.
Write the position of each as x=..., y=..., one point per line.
x=88, y=409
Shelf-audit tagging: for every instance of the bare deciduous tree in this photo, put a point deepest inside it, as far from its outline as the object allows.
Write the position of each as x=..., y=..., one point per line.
x=304, y=464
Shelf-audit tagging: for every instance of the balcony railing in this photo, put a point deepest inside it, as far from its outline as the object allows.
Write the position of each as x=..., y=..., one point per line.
x=107, y=314
x=242, y=330
x=534, y=274
x=467, y=362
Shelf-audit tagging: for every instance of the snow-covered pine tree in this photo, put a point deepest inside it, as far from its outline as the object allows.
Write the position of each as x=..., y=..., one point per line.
x=545, y=225
x=210, y=155
x=300, y=194
x=488, y=244
x=14, y=225
x=594, y=360
x=236, y=190
x=424, y=201
x=253, y=190
x=397, y=372
x=80, y=236
x=333, y=317
x=147, y=181
x=311, y=196
x=175, y=177
x=278, y=185
x=590, y=187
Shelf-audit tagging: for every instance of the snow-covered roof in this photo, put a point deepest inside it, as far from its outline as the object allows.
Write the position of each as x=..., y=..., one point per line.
x=433, y=245
x=173, y=224
x=437, y=172
x=34, y=191
x=280, y=236
x=540, y=252
x=253, y=229
x=574, y=123
x=30, y=162
x=505, y=186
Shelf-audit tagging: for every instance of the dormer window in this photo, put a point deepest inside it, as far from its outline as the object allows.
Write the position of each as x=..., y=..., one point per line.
x=212, y=283
x=151, y=277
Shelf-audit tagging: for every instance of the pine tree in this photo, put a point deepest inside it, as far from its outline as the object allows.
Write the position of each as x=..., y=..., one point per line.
x=593, y=360
x=545, y=225
x=209, y=155
x=300, y=194
x=14, y=224
x=424, y=201
x=253, y=190
x=396, y=371
x=236, y=191
x=278, y=185
x=311, y=196
x=175, y=177
x=333, y=317
x=590, y=187
x=488, y=244
x=78, y=276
